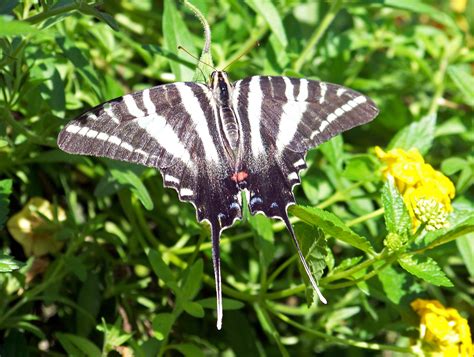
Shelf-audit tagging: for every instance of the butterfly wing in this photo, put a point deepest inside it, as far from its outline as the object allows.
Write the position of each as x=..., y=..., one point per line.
x=284, y=118
x=174, y=128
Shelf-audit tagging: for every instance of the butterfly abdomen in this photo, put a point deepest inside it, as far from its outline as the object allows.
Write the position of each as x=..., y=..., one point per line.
x=222, y=91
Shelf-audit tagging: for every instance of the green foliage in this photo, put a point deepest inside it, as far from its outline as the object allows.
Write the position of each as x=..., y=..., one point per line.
x=397, y=218
x=418, y=135
x=5, y=192
x=135, y=273
x=425, y=268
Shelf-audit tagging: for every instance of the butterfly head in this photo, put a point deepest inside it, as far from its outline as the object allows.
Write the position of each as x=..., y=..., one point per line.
x=220, y=85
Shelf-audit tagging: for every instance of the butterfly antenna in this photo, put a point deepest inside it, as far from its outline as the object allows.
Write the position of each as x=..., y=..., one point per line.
x=193, y=56
x=216, y=260
x=303, y=260
x=241, y=55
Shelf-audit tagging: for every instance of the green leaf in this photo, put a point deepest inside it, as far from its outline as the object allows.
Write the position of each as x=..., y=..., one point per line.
x=313, y=246
x=227, y=304
x=452, y=165
x=466, y=178
x=162, y=270
x=464, y=80
x=52, y=90
x=397, y=218
x=361, y=168
x=465, y=246
x=331, y=225
x=425, y=268
x=266, y=323
x=333, y=151
x=91, y=10
x=337, y=318
x=347, y=263
x=419, y=7
x=194, y=309
x=453, y=126
x=5, y=192
x=188, y=350
x=113, y=335
x=193, y=280
x=393, y=283
x=81, y=64
x=126, y=177
x=418, y=135
x=264, y=237
x=8, y=264
x=162, y=324
x=78, y=346
x=9, y=27
x=269, y=12
x=177, y=34
x=89, y=298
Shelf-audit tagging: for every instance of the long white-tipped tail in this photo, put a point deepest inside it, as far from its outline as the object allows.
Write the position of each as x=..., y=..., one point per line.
x=303, y=261
x=216, y=260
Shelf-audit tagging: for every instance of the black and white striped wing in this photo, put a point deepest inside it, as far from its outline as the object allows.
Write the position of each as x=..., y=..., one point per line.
x=173, y=128
x=284, y=117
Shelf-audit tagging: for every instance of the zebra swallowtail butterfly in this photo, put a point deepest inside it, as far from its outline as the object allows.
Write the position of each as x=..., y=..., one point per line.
x=212, y=141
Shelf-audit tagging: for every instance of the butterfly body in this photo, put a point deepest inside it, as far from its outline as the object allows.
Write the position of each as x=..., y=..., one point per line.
x=212, y=141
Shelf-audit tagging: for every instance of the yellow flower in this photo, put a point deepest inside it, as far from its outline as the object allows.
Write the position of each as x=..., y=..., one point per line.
x=443, y=331
x=418, y=183
x=432, y=213
x=34, y=227
x=458, y=6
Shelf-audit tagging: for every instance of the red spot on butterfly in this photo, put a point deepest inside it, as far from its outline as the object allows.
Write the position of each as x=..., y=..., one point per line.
x=239, y=176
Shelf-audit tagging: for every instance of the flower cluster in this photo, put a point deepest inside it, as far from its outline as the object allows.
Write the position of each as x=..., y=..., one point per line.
x=34, y=227
x=442, y=330
x=426, y=192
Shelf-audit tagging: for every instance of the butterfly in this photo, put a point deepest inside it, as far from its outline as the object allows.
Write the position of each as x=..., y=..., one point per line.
x=212, y=141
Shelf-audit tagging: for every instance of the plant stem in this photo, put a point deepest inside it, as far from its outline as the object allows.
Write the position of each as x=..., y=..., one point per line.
x=366, y=277
x=439, y=82
x=207, y=31
x=57, y=274
x=247, y=46
x=21, y=129
x=58, y=10
x=317, y=34
x=280, y=268
x=285, y=293
x=142, y=223
x=340, y=340
x=347, y=273
x=366, y=217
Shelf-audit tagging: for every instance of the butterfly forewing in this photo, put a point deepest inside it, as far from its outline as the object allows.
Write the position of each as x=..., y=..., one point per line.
x=170, y=127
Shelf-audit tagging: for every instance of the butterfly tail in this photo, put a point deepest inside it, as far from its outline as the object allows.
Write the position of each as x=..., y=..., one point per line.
x=303, y=260
x=216, y=260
